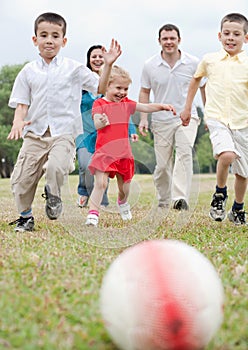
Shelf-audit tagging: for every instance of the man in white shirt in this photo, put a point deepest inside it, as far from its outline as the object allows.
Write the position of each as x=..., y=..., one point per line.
x=46, y=96
x=167, y=75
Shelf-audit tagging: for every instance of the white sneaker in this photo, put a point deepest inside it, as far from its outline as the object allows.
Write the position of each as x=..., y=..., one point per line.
x=82, y=201
x=92, y=220
x=125, y=212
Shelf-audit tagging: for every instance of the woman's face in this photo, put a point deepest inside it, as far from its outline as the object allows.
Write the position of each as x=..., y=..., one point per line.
x=96, y=60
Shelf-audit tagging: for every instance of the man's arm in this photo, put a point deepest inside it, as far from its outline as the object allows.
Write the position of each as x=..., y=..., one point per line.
x=21, y=112
x=109, y=58
x=193, y=87
x=144, y=97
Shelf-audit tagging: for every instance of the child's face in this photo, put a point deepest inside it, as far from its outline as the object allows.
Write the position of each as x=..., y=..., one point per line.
x=49, y=39
x=117, y=89
x=232, y=37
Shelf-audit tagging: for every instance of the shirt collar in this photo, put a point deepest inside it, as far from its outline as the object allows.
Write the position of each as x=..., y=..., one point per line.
x=183, y=58
x=241, y=56
x=55, y=61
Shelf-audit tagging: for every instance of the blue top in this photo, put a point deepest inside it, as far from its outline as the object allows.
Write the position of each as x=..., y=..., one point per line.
x=88, y=138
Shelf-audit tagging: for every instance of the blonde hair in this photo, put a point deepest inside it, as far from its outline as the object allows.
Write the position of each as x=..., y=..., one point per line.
x=117, y=71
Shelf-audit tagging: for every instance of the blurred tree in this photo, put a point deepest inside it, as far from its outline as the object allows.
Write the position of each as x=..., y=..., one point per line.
x=8, y=149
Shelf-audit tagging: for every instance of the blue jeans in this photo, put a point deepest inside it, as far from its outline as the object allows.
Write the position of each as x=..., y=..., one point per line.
x=86, y=179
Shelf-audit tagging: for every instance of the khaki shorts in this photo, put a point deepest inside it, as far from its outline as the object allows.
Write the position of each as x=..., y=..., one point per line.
x=224, y=139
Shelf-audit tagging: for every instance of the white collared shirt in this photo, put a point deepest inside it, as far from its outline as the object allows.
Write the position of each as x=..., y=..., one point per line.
x=169, y=85
x=53, y=93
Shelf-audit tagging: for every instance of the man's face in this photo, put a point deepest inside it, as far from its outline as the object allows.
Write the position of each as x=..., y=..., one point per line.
x=169, y=41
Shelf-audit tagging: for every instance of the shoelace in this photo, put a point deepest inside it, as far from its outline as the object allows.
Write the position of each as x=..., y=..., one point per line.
x=217, y=203
x=52, y=200
x=20, y=220
x=240, y=215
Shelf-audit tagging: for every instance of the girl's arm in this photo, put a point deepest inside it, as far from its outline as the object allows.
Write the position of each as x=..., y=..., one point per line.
x=100, y=120
x=154, y=107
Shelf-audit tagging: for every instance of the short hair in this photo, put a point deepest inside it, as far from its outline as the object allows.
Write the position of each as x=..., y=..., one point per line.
x=52, y=18
x=168, y=27
x=94, y=47
x=235, y=17
x=117, y=71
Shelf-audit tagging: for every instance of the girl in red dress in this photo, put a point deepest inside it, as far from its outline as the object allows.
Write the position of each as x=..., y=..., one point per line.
x=113, y=155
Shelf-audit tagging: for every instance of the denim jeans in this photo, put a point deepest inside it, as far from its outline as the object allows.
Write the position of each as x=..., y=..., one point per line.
x=86, y=179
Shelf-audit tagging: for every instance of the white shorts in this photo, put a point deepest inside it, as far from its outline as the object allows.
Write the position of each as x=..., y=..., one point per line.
x=224, y=139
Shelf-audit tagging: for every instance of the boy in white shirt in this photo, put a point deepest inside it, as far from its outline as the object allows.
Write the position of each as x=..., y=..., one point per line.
x=46, y=96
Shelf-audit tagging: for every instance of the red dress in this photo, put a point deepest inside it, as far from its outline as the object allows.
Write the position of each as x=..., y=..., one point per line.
x=113, y=151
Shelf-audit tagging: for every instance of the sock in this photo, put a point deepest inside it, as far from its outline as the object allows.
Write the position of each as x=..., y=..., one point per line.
x=94, y=212
x=222, y=190
x=237, y=206
x=120, y=202
x=27, y=213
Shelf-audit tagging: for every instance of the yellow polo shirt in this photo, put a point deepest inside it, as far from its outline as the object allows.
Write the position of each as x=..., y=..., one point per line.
x=226, y=88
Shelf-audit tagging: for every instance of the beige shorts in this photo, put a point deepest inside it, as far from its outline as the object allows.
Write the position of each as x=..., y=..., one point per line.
x=224, y=139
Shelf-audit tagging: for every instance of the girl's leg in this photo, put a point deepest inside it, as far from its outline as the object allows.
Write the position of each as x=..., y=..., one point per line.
x=100, y=185
x=123, y=193
x=123, y=189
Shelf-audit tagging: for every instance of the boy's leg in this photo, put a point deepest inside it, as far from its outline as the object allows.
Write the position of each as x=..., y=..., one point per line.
x=225, y=151
x=28, y=171
x=240, y=186
x=60, y=162
x=25, y=177
x=237, y=213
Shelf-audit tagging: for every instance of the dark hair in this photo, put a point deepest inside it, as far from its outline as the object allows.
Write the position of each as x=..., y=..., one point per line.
x=235, y=17
x=52, y=18
x=94, y=47
x=169, y=27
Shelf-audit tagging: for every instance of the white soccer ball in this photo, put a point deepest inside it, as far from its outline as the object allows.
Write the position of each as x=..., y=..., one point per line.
x=161, y=295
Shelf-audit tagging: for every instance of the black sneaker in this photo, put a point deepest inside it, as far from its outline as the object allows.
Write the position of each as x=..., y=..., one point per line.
x=180, y=204
x=23, y=224
x=217, y=210
x=53, y=204
x=238, y=217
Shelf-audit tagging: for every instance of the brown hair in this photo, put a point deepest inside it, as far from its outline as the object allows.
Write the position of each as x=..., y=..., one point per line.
x=235, y=17
x=169, y=27
x=52, y=18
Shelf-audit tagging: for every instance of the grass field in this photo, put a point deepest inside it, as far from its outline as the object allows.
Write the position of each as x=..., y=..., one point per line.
x=50, y=278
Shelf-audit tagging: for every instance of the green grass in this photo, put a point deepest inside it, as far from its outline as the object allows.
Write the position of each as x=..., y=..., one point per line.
x=50, y=278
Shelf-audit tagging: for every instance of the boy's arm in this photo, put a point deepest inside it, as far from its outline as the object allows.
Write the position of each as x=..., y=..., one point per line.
x=144, y=97
x=109, y=58
x=21, y=112
x=186, y=113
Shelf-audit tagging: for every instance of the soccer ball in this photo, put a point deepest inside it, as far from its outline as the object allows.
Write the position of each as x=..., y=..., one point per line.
x=161, y=295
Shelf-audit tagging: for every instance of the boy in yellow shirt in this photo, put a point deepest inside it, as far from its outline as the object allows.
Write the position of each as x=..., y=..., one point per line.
x=226, y=113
